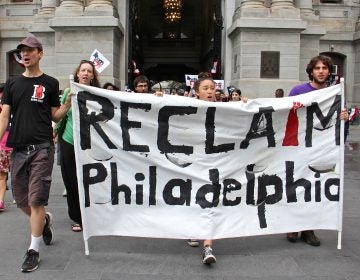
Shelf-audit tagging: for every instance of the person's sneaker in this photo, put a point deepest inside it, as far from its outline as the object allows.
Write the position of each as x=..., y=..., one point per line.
x=48, y=232
x=31, y=261
x=310, y=238
x=208, y=256
x=2, y=206
x=193, y=242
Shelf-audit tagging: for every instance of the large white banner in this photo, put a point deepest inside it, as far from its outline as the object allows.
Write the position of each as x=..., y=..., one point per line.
x=177, y=167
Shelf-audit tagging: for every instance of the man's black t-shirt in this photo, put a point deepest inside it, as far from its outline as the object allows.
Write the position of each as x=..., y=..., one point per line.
x=31, y=100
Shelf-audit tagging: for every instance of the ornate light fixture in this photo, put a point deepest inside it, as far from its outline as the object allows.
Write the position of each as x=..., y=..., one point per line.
x=172, y=10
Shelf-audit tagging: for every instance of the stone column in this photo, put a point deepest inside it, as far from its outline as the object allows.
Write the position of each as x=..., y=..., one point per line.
x=41, y=19
x=306, y=8
x=357, y=25
x=251, y=8
x=282, y=4
x=100, y=8
x=70, y=8
x=47, y=8
x=252, y=4
x=284, y=9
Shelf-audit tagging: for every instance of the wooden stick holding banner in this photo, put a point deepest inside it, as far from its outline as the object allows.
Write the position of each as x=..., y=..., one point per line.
x=341, y=191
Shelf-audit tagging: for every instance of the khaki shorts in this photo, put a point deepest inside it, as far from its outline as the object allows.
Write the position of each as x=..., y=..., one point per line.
x=31, y=176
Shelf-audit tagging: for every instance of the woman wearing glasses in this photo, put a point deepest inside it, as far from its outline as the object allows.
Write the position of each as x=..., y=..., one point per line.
x=84, y=74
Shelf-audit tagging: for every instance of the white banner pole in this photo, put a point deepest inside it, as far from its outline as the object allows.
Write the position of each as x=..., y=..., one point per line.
x=341, y=191
x=86, y=244
x=71, y=78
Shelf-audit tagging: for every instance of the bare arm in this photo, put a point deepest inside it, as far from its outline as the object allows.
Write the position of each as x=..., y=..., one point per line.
x=4, y=118
x=57, y=113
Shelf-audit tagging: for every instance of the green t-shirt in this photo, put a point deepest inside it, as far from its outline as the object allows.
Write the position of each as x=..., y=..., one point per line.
x=68, y=132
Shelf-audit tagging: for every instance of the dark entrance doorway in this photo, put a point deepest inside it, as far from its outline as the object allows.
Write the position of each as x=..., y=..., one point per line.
x=164, y=48
x=339, y=63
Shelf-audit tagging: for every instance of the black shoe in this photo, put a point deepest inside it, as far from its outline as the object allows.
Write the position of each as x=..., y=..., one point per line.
x=31, y=261
x=310, y=238
x=208, y=256
x=48, y=232
x=292, y=237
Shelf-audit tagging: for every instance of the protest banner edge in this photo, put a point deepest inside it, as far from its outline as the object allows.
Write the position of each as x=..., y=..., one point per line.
x=341, y=198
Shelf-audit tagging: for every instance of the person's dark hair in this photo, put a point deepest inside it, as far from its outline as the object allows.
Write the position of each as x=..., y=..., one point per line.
x=202, y=75
x=107, y=84
x=279, y=93
x=237, y=90
x=95, y=81
x=141, y=79
x=198, y=82
x=2, y=86
x=225, y=98
x=180, y=91
x=320, y=58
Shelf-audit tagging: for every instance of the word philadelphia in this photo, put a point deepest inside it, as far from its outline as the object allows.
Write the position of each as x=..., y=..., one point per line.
x=208, y=195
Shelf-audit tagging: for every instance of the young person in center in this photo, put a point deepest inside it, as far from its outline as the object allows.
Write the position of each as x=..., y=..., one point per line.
x=205, y=90
x=319, y=72
x=32, y=101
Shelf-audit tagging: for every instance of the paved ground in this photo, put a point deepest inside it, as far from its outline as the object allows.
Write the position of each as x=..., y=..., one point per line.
x=263, y=257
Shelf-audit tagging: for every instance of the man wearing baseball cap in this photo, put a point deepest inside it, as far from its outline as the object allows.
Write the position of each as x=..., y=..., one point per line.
x=33, y=102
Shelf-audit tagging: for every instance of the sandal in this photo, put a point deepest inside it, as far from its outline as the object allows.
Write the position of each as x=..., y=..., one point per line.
x=76, y=227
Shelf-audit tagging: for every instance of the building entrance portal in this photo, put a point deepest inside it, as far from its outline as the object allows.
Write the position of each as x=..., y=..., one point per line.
x=171, y=38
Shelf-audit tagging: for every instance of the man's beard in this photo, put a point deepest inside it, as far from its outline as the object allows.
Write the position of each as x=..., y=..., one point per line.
x=320, y=82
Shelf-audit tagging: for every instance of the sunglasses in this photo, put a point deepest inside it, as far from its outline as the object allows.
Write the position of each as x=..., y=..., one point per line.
x=87, y=61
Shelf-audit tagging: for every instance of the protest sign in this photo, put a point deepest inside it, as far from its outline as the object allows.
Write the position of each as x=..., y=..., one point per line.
x=175, y=167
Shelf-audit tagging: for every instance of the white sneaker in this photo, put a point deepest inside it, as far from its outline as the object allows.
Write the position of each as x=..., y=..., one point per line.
x=193, y=242
x=208, y=256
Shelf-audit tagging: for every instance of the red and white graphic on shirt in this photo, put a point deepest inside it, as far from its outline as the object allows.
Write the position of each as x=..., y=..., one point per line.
x=39, y=92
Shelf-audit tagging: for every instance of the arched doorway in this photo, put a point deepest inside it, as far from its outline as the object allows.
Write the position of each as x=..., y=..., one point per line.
x=166, y=50
x=15, y=65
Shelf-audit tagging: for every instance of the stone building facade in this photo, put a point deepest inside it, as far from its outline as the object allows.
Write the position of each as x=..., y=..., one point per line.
x=261, y=45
